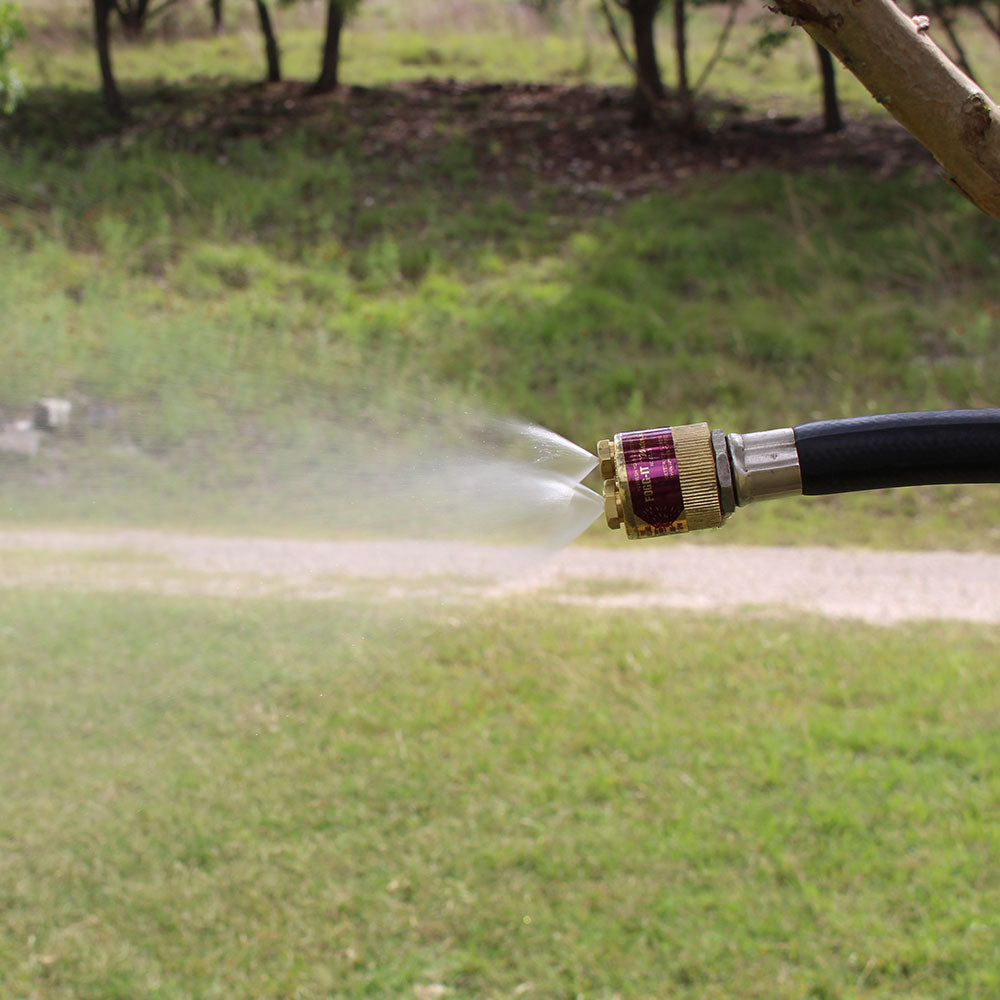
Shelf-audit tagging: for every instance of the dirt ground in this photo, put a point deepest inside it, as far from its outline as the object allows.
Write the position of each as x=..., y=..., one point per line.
x=882, y=588
x=581, y=135
x=577, y=137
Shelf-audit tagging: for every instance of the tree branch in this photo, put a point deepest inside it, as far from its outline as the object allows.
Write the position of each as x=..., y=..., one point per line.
x=905, y=71
x=616, y=35
x=157, y=11
x=720, y=46
x=960, y=59
x=994, y=29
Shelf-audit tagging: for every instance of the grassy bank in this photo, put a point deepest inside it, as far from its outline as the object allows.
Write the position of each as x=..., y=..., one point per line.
x=756, y=296
x=276, y=799
x=193, y=300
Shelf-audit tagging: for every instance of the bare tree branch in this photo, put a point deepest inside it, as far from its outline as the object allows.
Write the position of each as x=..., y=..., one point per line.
x=720, y=46
x=892, y=55
x=616, y=34
x=994, y=29
x=960, y=58
x=157, y=11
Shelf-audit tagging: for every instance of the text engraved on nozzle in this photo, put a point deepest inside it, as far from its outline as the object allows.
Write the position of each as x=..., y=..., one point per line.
x=647, y=473
x=662, y=480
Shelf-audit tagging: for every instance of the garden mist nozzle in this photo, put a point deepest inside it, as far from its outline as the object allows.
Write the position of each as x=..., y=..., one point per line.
x=667, y=480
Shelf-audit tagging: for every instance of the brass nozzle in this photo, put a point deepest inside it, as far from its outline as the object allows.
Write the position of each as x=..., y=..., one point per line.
x=661, y=481
x=667, y=480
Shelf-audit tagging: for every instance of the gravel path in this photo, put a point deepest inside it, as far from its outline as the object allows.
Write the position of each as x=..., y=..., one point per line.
x=879, y=587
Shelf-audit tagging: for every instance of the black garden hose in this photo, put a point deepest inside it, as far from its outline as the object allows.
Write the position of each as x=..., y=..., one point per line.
x=899, y=449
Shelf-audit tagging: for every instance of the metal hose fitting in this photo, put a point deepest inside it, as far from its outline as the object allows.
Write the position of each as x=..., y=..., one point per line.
x=668, y=480
x=765, y=465
x=672, y=479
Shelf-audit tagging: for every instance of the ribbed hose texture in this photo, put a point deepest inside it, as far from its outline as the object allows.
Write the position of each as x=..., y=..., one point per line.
x=899, y=449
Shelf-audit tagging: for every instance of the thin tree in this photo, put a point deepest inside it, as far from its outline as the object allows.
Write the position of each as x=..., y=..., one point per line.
x=134, y=15
x=102, y=37
x=649, y=87
x=271, y=51
x=685, y=98
x=991, y=23
x=649, y=90
x=337, y=12
x=947, y=15
x=720, y=46
x=649, y=93
x=833, y=121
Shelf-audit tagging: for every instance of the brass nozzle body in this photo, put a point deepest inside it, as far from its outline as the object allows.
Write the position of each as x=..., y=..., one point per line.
x=661, y=481
x=667, y=480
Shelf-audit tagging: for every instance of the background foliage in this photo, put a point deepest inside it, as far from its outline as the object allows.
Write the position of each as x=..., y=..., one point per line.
x=11, y=29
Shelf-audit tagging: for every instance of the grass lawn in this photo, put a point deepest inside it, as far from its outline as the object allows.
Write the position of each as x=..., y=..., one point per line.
x=275, y=799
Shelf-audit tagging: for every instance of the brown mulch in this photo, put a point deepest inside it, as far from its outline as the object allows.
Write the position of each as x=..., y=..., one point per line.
x=579, y=137
x=583, y=135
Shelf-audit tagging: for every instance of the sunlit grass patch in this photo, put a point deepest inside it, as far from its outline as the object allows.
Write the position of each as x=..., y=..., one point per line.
x=268, y=796
x=597, y=589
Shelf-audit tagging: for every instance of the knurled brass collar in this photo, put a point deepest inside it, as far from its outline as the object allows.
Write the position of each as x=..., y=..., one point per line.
x=697, y=474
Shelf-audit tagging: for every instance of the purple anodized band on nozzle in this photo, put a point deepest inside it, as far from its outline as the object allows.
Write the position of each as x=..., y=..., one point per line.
x=654, y=484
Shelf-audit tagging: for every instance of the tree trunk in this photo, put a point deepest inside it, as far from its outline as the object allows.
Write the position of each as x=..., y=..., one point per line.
x=270, y=43
x=329, y=73
x=133, y=17
x=216, y=8
x=832, y=119
x=648, y=82
x=684, y=95
x=893, y=57
x=102, y=35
